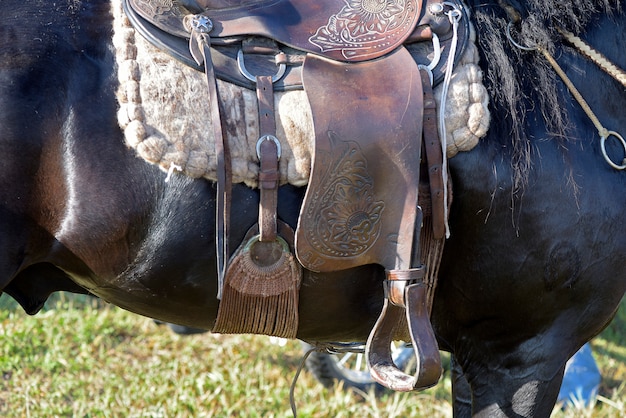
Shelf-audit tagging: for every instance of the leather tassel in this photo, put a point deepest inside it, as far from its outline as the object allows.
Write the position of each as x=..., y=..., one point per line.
x=260, y=298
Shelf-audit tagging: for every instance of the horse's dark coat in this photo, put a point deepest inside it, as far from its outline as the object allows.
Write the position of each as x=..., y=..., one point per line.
x=533, y=268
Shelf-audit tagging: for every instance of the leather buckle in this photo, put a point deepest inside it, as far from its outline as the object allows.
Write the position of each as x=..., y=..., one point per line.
x=397, y=281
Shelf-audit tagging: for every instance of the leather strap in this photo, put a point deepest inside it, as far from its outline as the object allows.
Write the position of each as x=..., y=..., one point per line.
x=434, y=158
x=268, y=159
x=200, y=48
x=397, y=281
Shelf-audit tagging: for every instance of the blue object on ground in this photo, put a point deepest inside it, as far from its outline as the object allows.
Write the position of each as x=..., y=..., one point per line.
x=581, y=380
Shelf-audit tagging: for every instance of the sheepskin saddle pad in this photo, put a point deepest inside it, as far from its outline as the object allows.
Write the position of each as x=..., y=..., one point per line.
x=163, y=113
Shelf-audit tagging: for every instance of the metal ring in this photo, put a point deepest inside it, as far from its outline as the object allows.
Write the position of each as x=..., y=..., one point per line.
x=428, y=71
x=257, y=238
x=603, y=139
x=437, y=52
x=514, y=43
x=282, y=68
x=455, y=14
x=268, y=138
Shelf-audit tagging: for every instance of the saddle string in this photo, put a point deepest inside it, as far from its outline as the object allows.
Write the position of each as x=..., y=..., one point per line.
x=603, y=132
x=454, y=15
x=170, y=171
x=294, y=381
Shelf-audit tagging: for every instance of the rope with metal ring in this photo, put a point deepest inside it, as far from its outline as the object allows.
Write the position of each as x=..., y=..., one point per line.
x=603, y=132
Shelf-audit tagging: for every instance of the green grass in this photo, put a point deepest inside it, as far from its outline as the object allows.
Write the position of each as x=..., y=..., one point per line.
x=82, y=358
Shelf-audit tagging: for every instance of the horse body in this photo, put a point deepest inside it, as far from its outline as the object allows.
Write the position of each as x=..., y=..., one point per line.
x=530, y=272
x=558, y=284
x=544, y=260
x=107, y=220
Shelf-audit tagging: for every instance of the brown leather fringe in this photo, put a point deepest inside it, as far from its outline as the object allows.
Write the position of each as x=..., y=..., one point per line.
x=260, y=299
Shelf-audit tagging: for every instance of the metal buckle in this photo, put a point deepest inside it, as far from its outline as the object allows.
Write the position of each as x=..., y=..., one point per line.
x=282, y=68
x=268, y=137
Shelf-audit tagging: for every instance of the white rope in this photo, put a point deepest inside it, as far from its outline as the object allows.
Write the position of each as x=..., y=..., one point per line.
x=455, y=16
x=170, y=171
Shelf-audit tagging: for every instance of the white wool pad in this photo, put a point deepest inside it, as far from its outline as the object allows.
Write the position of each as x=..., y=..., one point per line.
x=164, y=113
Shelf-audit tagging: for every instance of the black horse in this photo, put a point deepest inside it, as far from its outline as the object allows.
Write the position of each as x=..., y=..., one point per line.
x=533, y=269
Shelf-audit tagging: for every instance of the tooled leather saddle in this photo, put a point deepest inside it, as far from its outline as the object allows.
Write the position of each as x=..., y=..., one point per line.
x=369, y=87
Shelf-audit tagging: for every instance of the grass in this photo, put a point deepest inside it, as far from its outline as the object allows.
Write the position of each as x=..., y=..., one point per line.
x=82, y=358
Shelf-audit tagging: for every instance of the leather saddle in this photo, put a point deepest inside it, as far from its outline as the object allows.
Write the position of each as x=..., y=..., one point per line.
x=362, y=65
x=162, y=23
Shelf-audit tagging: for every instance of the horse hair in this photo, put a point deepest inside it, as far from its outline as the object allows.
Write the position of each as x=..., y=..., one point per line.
x=518, y=80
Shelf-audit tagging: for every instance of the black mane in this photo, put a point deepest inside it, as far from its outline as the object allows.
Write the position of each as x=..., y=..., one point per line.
x=519, y=81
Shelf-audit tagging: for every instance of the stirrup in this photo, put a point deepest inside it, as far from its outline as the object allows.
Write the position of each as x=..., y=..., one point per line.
x=410, y=300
